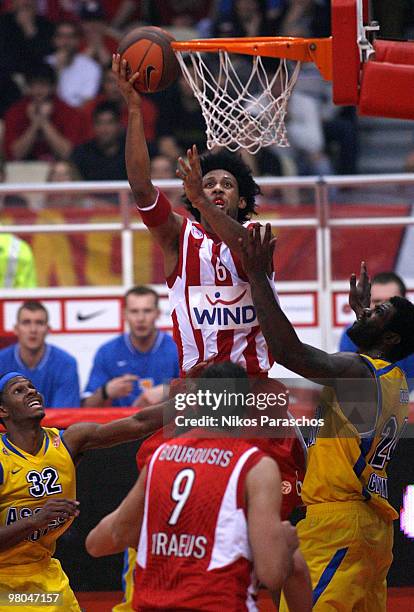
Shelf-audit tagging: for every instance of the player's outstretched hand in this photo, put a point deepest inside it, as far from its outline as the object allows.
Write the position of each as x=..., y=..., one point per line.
x=55, y=509
x=360, y=292
x=189, y=171
x=257, y=253
x=126, y=81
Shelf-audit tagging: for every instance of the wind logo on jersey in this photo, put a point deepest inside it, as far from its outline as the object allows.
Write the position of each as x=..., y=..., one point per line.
x=222, y=307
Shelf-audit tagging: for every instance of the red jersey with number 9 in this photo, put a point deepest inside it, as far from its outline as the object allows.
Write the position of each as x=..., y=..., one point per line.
x=194, y=551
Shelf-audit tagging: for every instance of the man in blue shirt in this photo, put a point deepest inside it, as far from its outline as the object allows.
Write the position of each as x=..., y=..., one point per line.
x=136, y=363
x=53, y=371
x=384, y=286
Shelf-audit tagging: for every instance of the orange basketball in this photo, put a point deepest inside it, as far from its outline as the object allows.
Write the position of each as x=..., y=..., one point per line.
x=148, y=51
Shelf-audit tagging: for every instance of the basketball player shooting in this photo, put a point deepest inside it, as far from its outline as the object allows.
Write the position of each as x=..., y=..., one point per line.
x=212, y=310
x=203, y=271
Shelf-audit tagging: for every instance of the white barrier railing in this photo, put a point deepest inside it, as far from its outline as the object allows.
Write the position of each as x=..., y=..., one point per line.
x=321, y=222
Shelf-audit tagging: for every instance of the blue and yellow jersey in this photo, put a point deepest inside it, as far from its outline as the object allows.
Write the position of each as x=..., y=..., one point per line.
x=26, y=483
x=346, y=465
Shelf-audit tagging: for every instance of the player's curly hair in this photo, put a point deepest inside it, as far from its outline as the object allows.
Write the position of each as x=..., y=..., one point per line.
x=233, y=163
x=402, y=323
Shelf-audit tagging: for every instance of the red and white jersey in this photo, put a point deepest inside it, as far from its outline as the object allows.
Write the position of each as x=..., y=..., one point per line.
x=211, y=305
x=194, y=551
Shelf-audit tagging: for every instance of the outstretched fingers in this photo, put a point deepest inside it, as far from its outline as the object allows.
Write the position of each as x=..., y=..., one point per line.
x=194, y=159
x=121, y=68
x=183, y=168
x=116, y=61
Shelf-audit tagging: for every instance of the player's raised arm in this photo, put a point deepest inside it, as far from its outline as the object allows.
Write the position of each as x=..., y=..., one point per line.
x=81, y=437
x=196, y=187
x=285, y=345
x=154, y=207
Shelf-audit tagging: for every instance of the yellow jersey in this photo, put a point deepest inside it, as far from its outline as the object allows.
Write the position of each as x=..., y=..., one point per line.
x=346, y=465
x=26, y=483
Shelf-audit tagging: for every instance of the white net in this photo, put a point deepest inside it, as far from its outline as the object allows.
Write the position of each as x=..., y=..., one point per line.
x=246, y=113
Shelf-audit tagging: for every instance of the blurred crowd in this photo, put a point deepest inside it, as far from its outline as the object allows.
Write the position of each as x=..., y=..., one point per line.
x=60, y=103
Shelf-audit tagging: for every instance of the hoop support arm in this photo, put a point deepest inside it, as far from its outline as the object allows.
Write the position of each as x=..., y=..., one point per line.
x=317, y=50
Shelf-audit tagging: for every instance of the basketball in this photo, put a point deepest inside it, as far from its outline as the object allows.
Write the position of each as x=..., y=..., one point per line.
x=148, y=51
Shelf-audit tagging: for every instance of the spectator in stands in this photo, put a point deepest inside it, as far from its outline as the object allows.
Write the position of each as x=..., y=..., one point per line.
x=25, y=38
x=134, y=366
x=384, y=286
x=393, y=17
x=110, y=93
x=103, y=157
x=315, y=124
x=162, y=167
x=177, y=13
x=41, y=126
x=79, y=76
x=63, y=172
x=177, y=131
x=17, y=265
x=52, y=371
x=11, y=199
x=100, y=41
x=121, y=13
x=58, y=10
x=248, y=18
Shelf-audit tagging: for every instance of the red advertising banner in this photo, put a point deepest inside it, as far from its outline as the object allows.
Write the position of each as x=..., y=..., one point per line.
x=93, y=259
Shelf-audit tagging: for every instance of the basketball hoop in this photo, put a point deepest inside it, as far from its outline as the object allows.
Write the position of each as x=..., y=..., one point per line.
x=249, y=112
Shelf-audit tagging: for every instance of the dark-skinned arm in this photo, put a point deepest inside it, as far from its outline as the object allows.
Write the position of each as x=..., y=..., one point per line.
x=229, y=230
x=139, y=167
x=53, y=510
x=81, y=437
x=284, y=344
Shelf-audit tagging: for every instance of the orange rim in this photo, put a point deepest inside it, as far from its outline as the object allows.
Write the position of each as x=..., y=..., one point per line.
x=317, y=50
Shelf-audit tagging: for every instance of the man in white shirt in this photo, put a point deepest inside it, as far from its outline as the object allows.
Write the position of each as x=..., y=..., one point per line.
x=79, y=76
